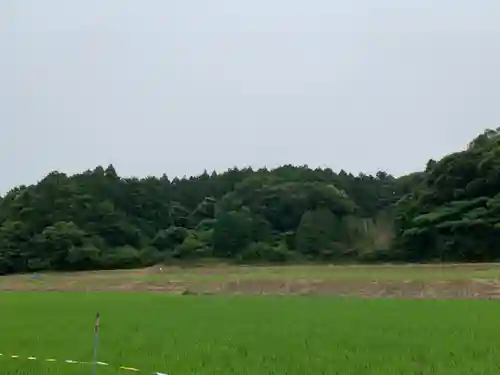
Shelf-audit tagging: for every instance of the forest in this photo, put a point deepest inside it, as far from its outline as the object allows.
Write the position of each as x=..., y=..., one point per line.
x=99, y=220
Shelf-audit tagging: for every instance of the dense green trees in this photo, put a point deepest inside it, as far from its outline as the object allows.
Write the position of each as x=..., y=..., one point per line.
x=453, y=211
x=98, y=220
x=449, y=212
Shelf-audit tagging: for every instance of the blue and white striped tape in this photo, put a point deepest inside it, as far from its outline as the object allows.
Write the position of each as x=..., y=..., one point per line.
x=70, y=361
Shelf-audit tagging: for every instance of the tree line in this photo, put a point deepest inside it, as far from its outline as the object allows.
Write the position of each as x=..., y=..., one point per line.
x=99, y=220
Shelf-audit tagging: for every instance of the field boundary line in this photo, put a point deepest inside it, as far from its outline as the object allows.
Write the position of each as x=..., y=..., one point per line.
x=73, y=362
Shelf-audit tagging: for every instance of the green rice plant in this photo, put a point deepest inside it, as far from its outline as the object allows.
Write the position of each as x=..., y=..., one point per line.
x=260, y=335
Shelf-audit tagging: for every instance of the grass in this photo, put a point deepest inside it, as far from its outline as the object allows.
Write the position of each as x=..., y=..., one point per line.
x=331, y=272
x=209, y=335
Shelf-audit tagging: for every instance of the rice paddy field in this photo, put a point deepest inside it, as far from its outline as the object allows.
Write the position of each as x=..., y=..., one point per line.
x=245, y=331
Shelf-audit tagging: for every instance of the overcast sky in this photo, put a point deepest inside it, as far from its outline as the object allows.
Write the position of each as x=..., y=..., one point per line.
x=179, y=86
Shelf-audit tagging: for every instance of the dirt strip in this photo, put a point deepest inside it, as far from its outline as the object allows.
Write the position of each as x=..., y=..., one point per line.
x=474, y=281
x=469, y=289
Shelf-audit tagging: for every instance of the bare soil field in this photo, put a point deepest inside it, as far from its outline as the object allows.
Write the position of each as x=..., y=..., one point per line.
x=477, y=281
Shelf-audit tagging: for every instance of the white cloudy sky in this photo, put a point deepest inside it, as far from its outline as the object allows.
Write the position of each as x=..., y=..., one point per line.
x=178, y=86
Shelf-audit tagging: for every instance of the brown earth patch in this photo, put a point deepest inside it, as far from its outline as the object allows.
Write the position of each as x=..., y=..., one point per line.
x=456, y=289
x=389, y=281
x=386, y=289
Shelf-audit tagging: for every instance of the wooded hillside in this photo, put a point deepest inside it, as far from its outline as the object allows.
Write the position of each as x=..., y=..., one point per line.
x=98, y=220
x=453, y=213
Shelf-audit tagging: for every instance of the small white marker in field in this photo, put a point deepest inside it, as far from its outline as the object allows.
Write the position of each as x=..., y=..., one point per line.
x=129, y=368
